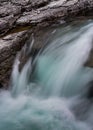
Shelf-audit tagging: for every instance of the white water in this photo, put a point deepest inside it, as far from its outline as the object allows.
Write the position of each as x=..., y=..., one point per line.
x=54, y=99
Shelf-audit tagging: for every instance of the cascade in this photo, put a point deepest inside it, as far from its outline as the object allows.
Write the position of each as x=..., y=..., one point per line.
x=50, y=92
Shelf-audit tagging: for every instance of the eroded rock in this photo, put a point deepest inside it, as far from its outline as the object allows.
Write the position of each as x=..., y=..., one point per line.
x=29, y=12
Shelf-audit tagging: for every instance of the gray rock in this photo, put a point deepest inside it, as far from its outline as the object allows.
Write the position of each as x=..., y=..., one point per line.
x=28, y=12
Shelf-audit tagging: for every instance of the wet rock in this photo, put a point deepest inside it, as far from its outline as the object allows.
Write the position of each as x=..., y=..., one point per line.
x=1, y=86
x=90, y=90
x=89, y=62
x=9, y=46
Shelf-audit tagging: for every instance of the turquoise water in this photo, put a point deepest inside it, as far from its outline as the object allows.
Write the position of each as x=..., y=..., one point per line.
x=51, y=96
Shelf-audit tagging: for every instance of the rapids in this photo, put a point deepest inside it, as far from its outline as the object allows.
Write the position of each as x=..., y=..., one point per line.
x=50, y=93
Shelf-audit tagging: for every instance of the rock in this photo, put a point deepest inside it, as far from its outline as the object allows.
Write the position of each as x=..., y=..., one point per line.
x=90, y=90
x=9, y=46
x=3, y=25
x=9, y=9
x=20, y=2
x=1, y=86
x=29, y=12
x=89, y=62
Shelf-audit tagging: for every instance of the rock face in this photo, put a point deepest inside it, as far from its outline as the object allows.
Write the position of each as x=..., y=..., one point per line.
x=23, y=13
x=15, y=13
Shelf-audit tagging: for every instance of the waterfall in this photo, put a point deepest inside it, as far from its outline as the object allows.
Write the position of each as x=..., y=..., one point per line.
x=49, y=93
